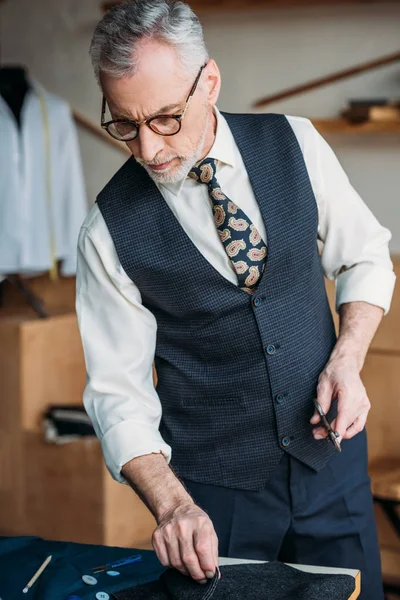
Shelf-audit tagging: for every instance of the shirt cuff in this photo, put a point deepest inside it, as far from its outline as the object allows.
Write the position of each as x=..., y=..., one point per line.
x=365, y=283
x=128, y=440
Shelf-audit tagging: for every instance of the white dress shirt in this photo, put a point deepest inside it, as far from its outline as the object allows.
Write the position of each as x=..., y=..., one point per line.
x=29, y=218
x=119, y=333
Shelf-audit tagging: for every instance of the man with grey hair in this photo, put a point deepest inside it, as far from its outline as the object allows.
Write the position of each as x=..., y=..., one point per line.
x=201, y=254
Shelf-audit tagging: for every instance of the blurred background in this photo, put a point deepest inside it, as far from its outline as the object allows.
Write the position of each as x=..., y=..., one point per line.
x=53, y=482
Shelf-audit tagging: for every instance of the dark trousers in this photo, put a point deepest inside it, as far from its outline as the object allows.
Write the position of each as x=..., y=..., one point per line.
x=303, y=517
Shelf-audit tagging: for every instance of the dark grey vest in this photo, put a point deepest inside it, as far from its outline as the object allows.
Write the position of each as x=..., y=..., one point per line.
x=237, y=373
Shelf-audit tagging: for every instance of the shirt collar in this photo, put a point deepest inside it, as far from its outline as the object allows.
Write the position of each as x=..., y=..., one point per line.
x=222, y=150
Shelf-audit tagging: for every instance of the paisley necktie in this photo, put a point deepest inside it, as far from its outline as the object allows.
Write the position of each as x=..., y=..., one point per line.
x=239, y=236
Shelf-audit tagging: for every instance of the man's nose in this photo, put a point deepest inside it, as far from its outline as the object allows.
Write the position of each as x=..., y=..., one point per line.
x=147, y=144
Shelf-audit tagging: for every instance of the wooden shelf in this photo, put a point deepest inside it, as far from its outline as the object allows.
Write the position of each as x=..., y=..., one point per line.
x=343, y=126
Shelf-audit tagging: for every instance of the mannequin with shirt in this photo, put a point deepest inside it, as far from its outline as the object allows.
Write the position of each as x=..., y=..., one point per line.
x=43, y=201
x=14, y=87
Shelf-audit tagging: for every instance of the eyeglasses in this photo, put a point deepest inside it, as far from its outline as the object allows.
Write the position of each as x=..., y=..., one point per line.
x=125, y=130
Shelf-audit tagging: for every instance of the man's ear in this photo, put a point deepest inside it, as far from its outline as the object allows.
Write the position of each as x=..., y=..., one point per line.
x=212, y=81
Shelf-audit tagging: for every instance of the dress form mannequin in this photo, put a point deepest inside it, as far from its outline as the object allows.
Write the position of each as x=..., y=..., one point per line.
x=14, y=87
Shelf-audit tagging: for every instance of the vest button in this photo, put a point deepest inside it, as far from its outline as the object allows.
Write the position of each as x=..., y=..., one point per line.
x=270, y=349
x=285, y=442
x=279, y=398
x=257, y=301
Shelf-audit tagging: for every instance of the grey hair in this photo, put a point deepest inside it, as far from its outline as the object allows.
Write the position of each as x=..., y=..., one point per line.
x=121, y=30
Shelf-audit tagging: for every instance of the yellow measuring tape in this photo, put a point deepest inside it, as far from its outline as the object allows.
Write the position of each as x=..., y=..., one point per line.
x=47, y=155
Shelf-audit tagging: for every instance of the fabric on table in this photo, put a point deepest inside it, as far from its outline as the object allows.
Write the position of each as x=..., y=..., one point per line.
x=272, y=581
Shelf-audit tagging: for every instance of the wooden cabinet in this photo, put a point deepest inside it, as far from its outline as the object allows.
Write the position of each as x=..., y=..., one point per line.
x=60, y=492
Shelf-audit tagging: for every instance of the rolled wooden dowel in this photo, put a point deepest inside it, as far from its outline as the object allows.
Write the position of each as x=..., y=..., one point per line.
x=36, y=575
x=315, y=83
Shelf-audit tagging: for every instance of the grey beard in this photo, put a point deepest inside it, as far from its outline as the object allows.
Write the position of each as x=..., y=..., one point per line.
x=184, y=168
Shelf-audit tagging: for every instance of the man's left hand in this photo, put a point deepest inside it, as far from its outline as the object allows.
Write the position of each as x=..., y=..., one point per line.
x=341, y=379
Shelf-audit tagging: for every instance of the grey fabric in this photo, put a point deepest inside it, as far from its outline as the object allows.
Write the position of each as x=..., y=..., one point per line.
x=236, y=373
x=270, y=581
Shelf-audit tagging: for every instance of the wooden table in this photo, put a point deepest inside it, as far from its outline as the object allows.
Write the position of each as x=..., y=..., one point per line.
x=308, y=569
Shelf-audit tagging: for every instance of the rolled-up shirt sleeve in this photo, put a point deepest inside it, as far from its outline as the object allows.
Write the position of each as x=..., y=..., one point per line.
x=355, y=247
x=119, y=337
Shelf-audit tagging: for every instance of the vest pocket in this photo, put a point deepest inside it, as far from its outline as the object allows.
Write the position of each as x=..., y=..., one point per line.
x=211, y=401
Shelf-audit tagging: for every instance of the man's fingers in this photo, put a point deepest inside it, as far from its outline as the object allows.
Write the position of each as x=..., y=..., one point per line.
x=190, y=559
x=356, y=427
x=175, y=558
x=160, y=548
x=324, y=394
x=320, y=433
x=214, y=542
x=216, y=553
x=205, y=550
x=324, y=399
x=345, y=417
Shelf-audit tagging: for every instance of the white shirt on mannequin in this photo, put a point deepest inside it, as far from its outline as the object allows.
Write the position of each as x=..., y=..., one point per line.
x=27, y=218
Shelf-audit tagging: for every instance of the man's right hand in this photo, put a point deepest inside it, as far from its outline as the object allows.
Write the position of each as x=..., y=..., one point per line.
x=185, y=537
x=186, y=540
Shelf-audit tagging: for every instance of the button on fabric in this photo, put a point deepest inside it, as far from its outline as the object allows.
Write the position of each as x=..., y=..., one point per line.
x=285, y=441
x=257, y=301
x=279, y=398
x=89, y=580
x=102, y=596
x=270, y=349
x=113, y=573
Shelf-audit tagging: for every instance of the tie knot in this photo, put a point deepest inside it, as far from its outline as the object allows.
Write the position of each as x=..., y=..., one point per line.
x=204, y=171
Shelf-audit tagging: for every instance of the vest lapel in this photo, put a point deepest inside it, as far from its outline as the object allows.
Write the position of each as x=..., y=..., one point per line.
x=267, y=148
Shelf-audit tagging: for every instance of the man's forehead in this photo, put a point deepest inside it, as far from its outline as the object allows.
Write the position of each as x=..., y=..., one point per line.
x=136, y=94
x=131, y=112
x=128, y=100
x=157, y=68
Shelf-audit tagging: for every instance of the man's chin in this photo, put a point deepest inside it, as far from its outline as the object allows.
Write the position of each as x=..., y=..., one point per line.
x=169, y=174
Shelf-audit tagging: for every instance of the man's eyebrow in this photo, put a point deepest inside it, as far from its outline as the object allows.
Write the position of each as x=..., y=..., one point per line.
x=164, y=110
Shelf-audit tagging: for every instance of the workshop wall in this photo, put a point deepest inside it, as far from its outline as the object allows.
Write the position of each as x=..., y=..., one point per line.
x=258, y=53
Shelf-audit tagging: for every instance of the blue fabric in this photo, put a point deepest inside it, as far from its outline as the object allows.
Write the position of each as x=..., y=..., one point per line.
x=236, y=373
x=20, y=557
x=303, y=517
x=241, y=240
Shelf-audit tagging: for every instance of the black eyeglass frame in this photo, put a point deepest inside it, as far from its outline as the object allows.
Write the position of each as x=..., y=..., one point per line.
x=178, y=118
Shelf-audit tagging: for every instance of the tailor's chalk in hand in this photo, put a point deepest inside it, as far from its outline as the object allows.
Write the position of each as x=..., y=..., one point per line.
x=332, y=435
x=119, y=563
x=36, y=575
